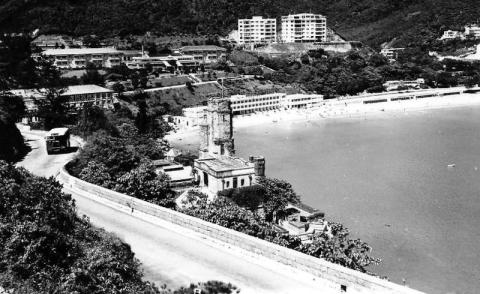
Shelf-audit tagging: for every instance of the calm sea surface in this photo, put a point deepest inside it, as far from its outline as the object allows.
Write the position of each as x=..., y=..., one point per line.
x=388, y=180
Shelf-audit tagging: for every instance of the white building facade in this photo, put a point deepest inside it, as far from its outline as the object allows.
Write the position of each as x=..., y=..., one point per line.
x=450, y=35
x=204, y=54
x=473, y=30
x=243, y=104
x=257, y=30
x=304, y=28
x=76, y=96
x=78, y=58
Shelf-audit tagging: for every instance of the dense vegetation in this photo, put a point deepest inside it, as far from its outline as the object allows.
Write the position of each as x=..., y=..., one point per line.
x=46, y=248
x=374, y=22
x=119, y=150
x=12, y=146
x=365, y=70
x=333, y=245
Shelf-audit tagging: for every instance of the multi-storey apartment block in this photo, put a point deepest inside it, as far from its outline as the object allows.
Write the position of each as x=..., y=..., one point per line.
x=257, y=30
x=304, y=27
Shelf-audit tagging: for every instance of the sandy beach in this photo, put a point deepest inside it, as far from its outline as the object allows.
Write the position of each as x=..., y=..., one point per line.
x=187, y=138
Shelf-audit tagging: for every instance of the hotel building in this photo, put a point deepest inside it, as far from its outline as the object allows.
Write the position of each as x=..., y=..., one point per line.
x=257, y=30
x=304, y=27
x=242, y=104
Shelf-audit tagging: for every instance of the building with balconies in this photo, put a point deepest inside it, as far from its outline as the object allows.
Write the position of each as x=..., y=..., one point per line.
x=304, y=28
x=76, y=58
x=76, y=96
x=205, y=54
x=257, y=30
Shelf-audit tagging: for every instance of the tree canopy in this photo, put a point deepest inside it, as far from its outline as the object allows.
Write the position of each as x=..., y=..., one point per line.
x=46, y=248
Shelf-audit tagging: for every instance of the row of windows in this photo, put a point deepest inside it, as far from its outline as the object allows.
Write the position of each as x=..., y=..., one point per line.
x=255, y=105
x=256, y=100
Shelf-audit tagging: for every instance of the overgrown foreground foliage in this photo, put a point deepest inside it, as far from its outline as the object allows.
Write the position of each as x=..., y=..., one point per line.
x=46, y=248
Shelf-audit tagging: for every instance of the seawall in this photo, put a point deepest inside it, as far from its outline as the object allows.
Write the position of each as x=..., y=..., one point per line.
x=337, y=277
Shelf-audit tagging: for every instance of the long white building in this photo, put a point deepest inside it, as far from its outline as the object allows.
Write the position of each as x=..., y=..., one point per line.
x=257, y=30
x=304, y=27
x=76, y=96
x=243, y=104
x=76, y=58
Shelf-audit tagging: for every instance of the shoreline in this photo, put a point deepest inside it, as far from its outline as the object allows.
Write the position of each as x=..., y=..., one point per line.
x=335, y=109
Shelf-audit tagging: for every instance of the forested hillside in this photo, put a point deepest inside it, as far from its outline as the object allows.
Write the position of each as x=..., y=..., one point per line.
x=370, y=21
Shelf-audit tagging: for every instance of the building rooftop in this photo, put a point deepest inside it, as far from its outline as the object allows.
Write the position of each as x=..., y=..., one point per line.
x=203, y=48
x=178, y=173
x=225, y=163
x=85, y=89
x=79, y=51
x=57, y=132
x=70, y=90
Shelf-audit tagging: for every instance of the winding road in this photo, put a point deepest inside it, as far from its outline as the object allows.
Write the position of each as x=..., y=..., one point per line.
x=170, y=254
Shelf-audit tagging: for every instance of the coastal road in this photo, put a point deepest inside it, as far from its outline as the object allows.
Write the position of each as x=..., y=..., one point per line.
x=172, y=255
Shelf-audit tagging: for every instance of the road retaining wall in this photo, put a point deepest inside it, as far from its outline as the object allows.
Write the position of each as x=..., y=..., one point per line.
x=335, y=276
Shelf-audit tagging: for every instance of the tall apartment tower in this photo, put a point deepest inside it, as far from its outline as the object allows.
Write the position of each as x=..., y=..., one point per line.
x=304, y=28
x=257, y=30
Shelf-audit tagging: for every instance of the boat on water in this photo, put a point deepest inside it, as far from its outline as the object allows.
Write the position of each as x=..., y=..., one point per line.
x=451, y=165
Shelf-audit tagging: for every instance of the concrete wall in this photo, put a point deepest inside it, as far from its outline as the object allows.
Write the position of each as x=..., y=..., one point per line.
x=334, y=275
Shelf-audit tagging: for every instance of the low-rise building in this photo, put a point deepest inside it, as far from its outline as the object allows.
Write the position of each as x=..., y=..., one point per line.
x=257, y=30
x=391, y=53
x=472, y=30
x=304, y=27
x=205, y=54
x=74, y=58
x=449, y=35
x=400, y=84
x=243, y=104
x=168, y=63
x=76, y=96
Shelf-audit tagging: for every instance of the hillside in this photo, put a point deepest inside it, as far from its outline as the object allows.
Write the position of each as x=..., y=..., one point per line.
x=370, y=21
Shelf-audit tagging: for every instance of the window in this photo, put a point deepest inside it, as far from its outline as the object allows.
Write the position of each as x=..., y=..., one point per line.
x=242, y=182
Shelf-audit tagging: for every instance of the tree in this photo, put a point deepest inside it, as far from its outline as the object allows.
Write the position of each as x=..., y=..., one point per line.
x=116, y=154
x=144, y=183
x=278, y=194
x=45, y=247
x=17, y=67
x=91, y=119
x=336, y=247
x=118, y=88
x=92, y=76
x=91, y=41
x=97, y=173
x=52, y=106
x=142, y=118
x=13, y=146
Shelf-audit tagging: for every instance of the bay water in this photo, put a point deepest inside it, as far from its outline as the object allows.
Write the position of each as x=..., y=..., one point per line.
x=408, y=184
